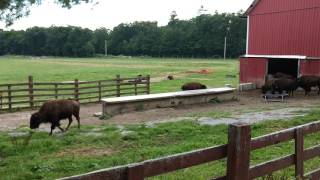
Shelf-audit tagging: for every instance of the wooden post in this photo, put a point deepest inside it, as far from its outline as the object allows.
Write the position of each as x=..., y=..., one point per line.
x=9, y=97
x=99, y=88
x=0, y=100
x=136, y=172
x=56, y=91
x=299, y=153
x=135, y=86
x=30, y=80
x=148, y=84
x=238, y=162
x=76, y=89
x=118, y=85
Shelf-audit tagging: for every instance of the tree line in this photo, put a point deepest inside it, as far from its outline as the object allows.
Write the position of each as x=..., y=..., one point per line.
x=202, y=36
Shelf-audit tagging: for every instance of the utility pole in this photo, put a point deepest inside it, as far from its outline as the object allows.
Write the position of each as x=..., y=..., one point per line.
x=225, y=39
x=106, y=47
x=225, y=47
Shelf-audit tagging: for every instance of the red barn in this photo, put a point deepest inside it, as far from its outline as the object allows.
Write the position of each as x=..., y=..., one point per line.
x=282, y=36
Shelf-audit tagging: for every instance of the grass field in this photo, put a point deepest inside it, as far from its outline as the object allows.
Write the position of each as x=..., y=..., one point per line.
x=96, y=147
x=17, y=69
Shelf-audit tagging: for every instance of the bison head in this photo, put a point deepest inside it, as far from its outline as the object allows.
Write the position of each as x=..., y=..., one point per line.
x=35, y=120
x=203, y=87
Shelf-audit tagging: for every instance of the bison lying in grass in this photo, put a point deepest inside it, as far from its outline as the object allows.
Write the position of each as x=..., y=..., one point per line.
x=193, y=86
x=54, y=111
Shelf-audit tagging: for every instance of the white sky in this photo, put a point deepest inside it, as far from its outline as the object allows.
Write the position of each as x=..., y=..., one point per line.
x=110, y=13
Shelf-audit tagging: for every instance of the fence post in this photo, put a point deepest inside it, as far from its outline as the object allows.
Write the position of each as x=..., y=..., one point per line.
x=99, y=88
x=136, y=172
x=0, y=100
x=76, y=89
x=299, y=153
x=148, y=84
x=56, y=91
x=135, y=86
x=118, y=85
x=30, y=80
x=238, y=163
x=9, y=97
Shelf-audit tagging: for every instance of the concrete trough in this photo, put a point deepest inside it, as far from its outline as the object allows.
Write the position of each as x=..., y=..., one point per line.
x=120, y=105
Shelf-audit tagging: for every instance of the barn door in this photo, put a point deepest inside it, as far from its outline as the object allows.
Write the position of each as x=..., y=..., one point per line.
x=253, y=70
x=310, y=67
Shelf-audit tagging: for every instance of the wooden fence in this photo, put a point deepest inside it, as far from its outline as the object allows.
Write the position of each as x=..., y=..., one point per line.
x=32, y=94
x=237, y=152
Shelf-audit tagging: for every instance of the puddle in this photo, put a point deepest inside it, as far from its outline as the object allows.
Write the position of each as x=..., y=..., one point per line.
x=255, y=117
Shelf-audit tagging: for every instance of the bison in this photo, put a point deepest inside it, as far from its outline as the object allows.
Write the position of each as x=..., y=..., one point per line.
x=306, y=82
x=267, y=86
x=284, y=84
x=54, y=111
x=193, y=86
x=170, y=77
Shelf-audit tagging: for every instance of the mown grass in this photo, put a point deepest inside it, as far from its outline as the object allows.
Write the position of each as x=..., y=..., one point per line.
x=17, y=69
x=96, y=147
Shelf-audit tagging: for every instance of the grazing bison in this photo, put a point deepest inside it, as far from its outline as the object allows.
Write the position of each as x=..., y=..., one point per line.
x=170, y=77
x=284, y=84
x=306, y=82
x=193, y=86
x=267, y=86
x=54, y=111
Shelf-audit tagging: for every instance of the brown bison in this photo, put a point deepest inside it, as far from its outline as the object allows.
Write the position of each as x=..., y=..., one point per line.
x=193, y=86
x=54, y=111
x=284, y=84
x=267, y=86
x=306, y=82
x=170, y=77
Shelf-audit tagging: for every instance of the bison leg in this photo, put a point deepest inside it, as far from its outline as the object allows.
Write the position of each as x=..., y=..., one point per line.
x=70, y=121
x=62, y=130
x=78, y=119
x=53, y=126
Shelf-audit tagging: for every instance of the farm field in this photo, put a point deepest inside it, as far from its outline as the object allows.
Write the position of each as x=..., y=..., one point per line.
x=122, y=139
x=95, y=147
x=17, y=69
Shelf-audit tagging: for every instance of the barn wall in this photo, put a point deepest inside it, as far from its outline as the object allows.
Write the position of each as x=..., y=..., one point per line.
x=253, y=70
x=271, y=6
x=310, y=67
x=285, y=33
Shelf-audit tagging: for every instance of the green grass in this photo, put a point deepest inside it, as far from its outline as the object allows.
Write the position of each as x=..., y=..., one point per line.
x=49, y=157
x=17, y=69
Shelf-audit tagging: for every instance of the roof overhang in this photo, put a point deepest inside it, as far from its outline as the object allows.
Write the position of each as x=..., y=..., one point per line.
x=251, y=7
x=275, y=56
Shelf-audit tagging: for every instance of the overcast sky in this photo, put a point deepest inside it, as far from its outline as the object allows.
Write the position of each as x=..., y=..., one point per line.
x=110, y=13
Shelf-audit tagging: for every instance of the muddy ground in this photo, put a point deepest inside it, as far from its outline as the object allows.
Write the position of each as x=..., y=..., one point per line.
x=249, y=101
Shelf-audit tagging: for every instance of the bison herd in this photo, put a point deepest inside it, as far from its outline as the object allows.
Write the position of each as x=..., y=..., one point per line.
x=281, y=82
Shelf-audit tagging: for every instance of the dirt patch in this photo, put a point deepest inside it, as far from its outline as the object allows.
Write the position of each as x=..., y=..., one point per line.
x=253, y=117
x=250, y=101
x=87, y=151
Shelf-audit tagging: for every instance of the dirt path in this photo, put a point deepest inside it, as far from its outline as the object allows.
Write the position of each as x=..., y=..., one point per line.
x=249, y=102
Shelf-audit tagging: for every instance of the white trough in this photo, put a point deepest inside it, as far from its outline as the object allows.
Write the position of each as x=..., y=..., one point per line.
x=119, y=105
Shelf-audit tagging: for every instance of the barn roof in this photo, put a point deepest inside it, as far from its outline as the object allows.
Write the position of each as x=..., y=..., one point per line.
x=251, y=7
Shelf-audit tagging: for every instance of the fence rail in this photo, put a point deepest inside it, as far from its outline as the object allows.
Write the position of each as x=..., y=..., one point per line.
x=33, y=94
x=237, y=152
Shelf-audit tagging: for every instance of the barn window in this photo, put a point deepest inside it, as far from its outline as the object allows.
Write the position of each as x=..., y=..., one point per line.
x=287, y=66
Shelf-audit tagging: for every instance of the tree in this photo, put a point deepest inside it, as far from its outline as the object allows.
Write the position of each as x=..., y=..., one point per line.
x=11, y=10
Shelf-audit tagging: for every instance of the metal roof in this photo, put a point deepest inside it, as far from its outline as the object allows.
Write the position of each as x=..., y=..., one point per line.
x=253, y=5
